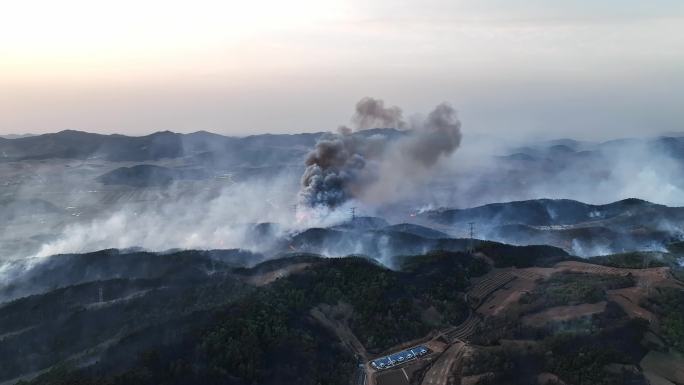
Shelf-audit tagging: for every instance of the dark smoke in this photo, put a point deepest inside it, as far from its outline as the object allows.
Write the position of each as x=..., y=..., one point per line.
x=439, y=136
x=336, y=169
x=372, y=113
x=331, y=169
x=349, y=165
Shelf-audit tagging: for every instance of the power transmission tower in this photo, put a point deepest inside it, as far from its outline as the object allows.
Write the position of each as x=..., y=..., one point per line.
x=352, y=211
x=101, y=294
x=471, y=239
x=294, y=209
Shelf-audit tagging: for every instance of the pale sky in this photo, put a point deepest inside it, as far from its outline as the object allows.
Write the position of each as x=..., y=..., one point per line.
x=583, y=68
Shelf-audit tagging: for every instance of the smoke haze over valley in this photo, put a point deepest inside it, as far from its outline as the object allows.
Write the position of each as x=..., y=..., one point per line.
x=434, y=192
x=206, y=191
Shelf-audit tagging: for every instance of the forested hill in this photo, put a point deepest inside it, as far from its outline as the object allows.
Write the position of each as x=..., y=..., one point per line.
x=235, y=326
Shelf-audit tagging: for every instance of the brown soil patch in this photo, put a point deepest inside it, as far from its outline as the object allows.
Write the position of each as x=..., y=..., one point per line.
x=399, y=376
x=436, y=346
x=536, y=272
x=444, y=368
x=650, y=276
x=502, y=299
x=563, y=313
x=628, y=299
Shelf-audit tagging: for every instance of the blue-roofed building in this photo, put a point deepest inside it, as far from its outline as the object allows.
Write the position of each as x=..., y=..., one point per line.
x=399, y=357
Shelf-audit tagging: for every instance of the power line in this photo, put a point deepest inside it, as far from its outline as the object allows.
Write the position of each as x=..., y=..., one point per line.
x=471, y=239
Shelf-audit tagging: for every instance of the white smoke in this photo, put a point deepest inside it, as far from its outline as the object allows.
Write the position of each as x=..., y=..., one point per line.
x=203, y=220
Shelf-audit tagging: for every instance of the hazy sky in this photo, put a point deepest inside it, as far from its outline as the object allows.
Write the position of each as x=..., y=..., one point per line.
x=582, y=68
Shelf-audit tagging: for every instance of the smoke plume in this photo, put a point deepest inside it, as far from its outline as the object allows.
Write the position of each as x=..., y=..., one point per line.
x=374, y=167
x=372, y=113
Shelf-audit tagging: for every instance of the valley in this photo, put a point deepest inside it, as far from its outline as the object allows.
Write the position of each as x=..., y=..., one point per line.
x=206, y=273
x=341, y=192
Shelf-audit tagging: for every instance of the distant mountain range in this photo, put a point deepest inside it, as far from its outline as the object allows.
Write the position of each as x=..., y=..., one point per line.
x=72, y=144
x=82, y=145
x=583, y=229
x=557, y=168
x=559, y=212
x=15, y=136
x=666, y=145
x=202, y=146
